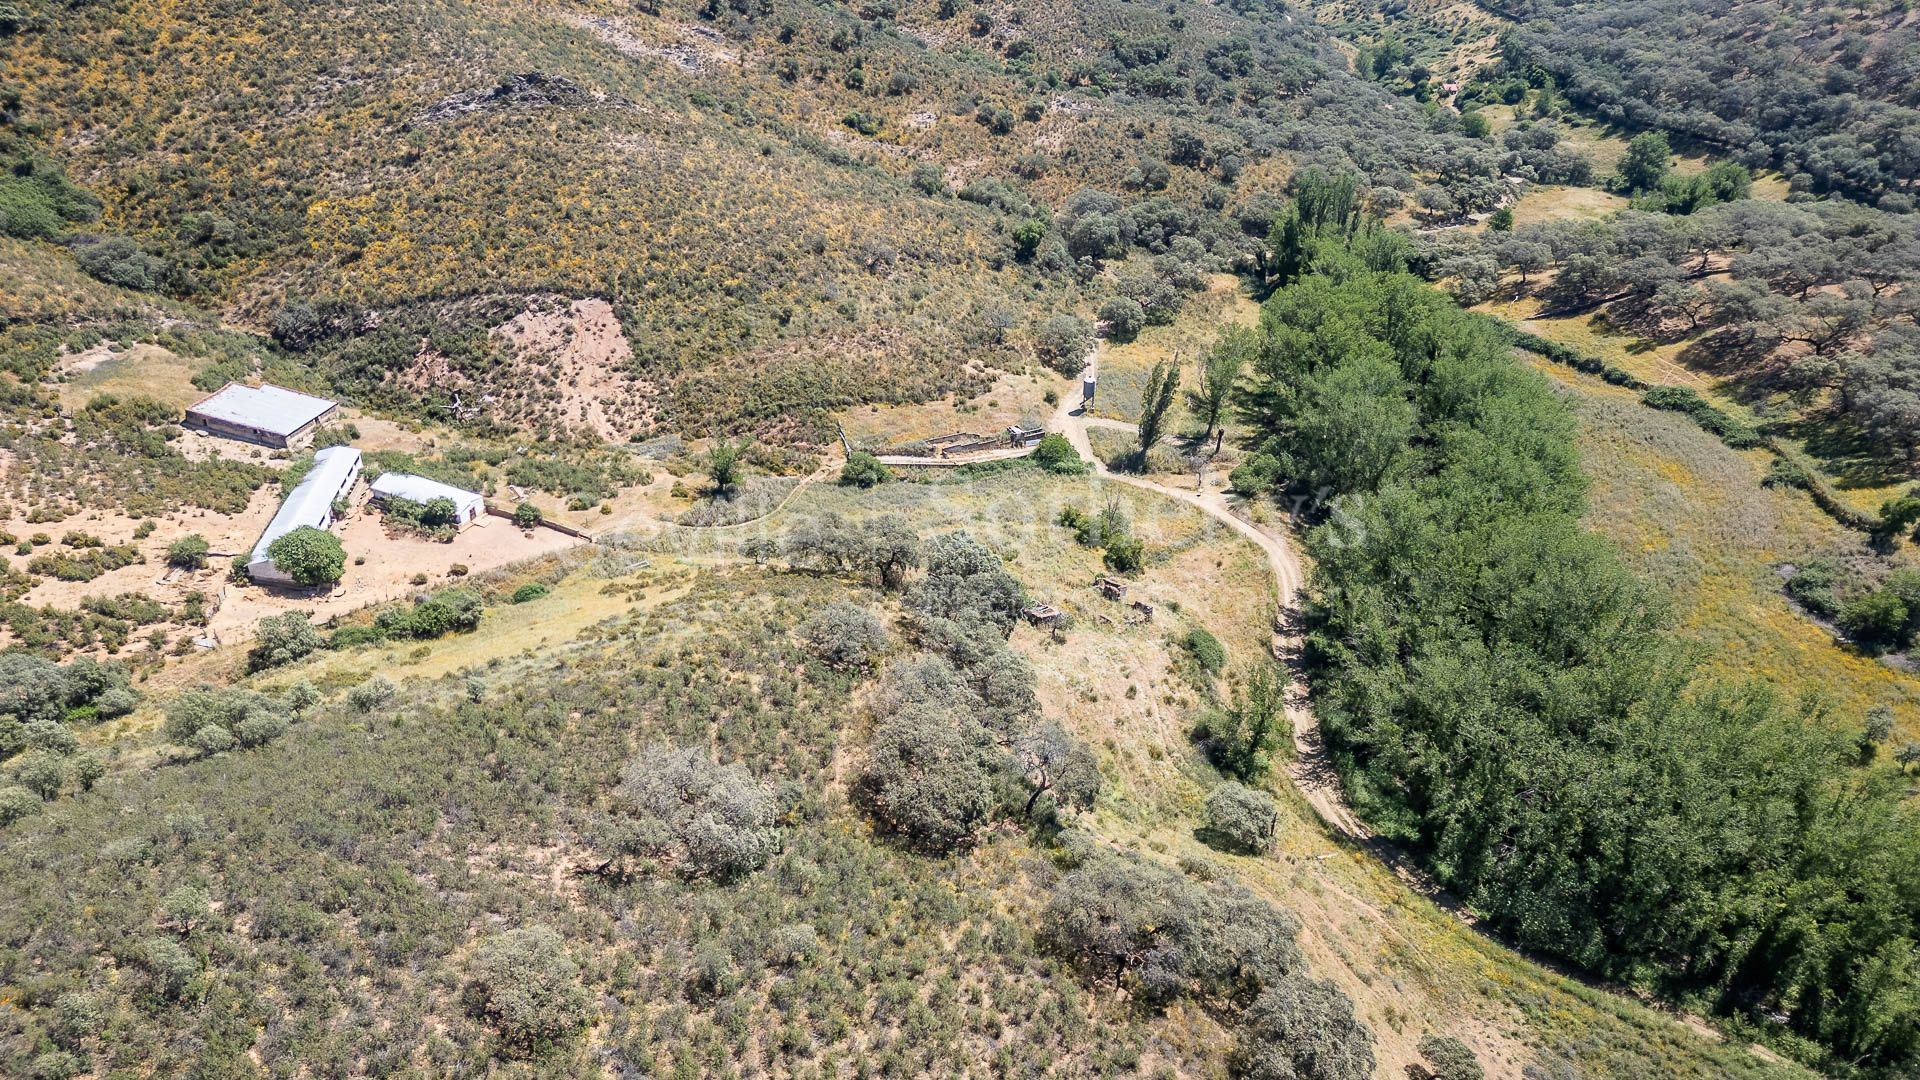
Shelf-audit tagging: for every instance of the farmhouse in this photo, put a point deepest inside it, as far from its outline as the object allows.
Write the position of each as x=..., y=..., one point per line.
x=310, y=503
x=468, y=506
x=269, y=415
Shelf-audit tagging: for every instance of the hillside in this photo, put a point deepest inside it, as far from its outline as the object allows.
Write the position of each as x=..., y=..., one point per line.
x=1470, y=629
x=764, y=194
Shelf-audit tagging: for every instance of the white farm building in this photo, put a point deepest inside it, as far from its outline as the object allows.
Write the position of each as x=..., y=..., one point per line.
x=309, y=504
x=468, y=506
x=269, y=415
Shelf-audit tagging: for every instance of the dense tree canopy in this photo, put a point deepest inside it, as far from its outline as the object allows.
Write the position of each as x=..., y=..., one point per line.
x=1500, y=693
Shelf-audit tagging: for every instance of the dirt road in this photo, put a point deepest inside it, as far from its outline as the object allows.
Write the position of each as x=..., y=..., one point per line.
x=1311, y=770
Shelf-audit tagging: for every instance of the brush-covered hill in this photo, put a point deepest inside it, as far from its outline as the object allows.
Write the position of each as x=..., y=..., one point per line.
x=789, y=206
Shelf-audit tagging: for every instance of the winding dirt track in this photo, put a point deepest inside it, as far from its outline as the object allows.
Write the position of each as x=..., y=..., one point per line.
x=1311, y=770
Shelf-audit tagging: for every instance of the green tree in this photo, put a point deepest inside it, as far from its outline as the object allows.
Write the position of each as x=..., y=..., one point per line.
x=42, y=772
x=1242, y=738
x=1648, y=160
x=863, y=470
x=845, y=636
x=1219, y=373
x=1063, y=342
x=17, y=802
x=700, y=819
x=1055, y=763
x=527, y=516
x=1163, y=385
x=1875, y=620
x=1303, y=1029
x=171, y=969
x=1123, y=316
x=87, y=769
x=889, y=549
x=1124, y=553
x=310, y=556
x=929, y=778
x=723, y=465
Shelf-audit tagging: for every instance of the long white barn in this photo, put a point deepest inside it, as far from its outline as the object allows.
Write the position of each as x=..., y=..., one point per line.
x=310, y=503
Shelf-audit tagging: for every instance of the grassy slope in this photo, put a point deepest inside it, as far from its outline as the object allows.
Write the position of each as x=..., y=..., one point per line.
x=1693, y=514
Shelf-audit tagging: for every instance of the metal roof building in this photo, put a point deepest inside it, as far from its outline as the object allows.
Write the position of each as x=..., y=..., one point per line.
x=266, y=414
x=309, y=504
x=467, y=505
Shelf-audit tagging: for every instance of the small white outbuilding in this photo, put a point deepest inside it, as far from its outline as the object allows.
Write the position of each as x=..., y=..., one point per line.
x=468, y=506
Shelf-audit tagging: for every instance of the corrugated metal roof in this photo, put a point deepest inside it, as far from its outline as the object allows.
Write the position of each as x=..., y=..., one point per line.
x=269, y=408
x=420, y=489
x=311, y=500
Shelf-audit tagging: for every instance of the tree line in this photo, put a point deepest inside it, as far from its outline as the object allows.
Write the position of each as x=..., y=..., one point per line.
x=1502, y=694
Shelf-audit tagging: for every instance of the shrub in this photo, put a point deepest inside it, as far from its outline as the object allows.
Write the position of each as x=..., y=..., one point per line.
x=1450, y=1059
x=1125, y=554
x=310, y=556
x=844, y=636
x=375, y=693
x=16, y=803
x=1205, y=650
x=523, y=983
x=119, y=261
x=532, y=590
x=527, y=516
x=53, y=1065
x=42, y=772
x=189, y=552
x=792, y=944
x=283, y=639
x=1239, y=819
x=1733, y=432
x=1784, y=472
x=77, y=1016
x=1875, y=620
x=863, y=470
x=702, y=819
x=214, y=721
x=445, y=612
x=1057, y=455
x=1815, y=584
